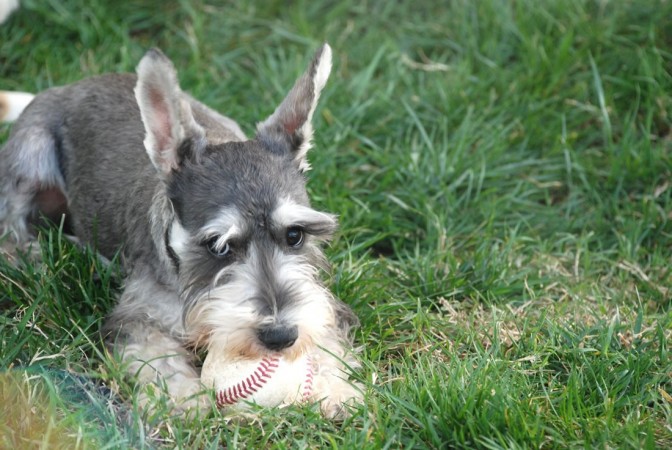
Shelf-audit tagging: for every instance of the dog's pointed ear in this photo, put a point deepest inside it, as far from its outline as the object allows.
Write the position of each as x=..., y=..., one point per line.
x=291, y=121
x=165, y=112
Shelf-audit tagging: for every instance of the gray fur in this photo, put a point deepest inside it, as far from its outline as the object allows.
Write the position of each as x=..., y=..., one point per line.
x=146, y=170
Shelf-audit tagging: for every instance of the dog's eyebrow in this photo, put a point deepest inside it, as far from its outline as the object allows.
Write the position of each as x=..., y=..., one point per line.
x=226, y=225
x=317, y=223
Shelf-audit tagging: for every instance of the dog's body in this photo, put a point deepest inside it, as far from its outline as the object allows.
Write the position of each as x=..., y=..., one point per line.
x=217, y=237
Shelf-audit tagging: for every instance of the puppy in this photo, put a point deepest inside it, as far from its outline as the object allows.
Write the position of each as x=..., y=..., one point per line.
x=217, y=237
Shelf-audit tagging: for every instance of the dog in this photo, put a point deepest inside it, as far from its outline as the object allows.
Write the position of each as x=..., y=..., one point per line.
x=215, y=232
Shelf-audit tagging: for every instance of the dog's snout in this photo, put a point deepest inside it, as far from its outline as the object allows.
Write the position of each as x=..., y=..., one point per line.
x=278, y=337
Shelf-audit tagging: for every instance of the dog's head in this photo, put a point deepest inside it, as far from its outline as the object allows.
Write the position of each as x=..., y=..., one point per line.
x=242, y=235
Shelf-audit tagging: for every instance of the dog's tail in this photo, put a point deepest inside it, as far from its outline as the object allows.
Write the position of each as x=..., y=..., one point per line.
x=12, y=103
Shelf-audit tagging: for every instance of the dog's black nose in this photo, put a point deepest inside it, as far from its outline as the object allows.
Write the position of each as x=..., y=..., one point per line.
x=278, y=337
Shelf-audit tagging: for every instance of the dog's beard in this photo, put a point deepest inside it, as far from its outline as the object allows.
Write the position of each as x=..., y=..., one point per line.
x=227, y=316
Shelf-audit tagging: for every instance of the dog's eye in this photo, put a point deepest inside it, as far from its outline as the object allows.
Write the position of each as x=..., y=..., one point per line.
x=217, y=252
x=294, y=237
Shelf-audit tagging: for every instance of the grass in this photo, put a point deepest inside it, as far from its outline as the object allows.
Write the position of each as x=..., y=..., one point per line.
x=503, y=176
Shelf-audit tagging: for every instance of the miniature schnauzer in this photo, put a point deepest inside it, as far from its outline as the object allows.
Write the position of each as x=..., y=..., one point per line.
x=217, y=238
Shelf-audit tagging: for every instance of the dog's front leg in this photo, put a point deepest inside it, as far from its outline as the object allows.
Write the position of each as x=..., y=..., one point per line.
x=144, y=331
x=334, y=390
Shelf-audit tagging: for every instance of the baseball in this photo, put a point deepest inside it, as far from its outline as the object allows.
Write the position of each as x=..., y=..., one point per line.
x=271, y=381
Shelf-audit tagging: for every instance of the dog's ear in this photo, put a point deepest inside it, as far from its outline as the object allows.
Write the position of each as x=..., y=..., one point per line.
x=165, y=113
x=291, y=121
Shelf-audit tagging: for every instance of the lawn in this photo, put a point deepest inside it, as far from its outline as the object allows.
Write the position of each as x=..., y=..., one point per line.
x=502, y=171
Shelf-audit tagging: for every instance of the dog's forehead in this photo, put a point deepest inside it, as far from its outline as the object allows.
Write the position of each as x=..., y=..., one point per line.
x=240, y=177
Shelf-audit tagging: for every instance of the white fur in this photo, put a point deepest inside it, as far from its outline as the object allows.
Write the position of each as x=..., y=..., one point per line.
x=13, y=103
x=319, y=81
x=35, y=163
x=159, y=360
x=179, y=238
x=289, y=213
x=6, y=8
x=322, y=74
x=227, y=223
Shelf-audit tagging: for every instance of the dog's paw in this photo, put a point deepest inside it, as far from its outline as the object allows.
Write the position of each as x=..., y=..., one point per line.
x=343, y=397
x=14, y=252
x=187, y=401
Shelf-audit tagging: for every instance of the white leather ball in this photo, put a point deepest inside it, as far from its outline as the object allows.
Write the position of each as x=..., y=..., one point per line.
x=271, y=381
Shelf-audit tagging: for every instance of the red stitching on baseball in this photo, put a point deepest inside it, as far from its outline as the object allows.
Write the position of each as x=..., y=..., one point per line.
x=249, y=385
x=308, y=382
